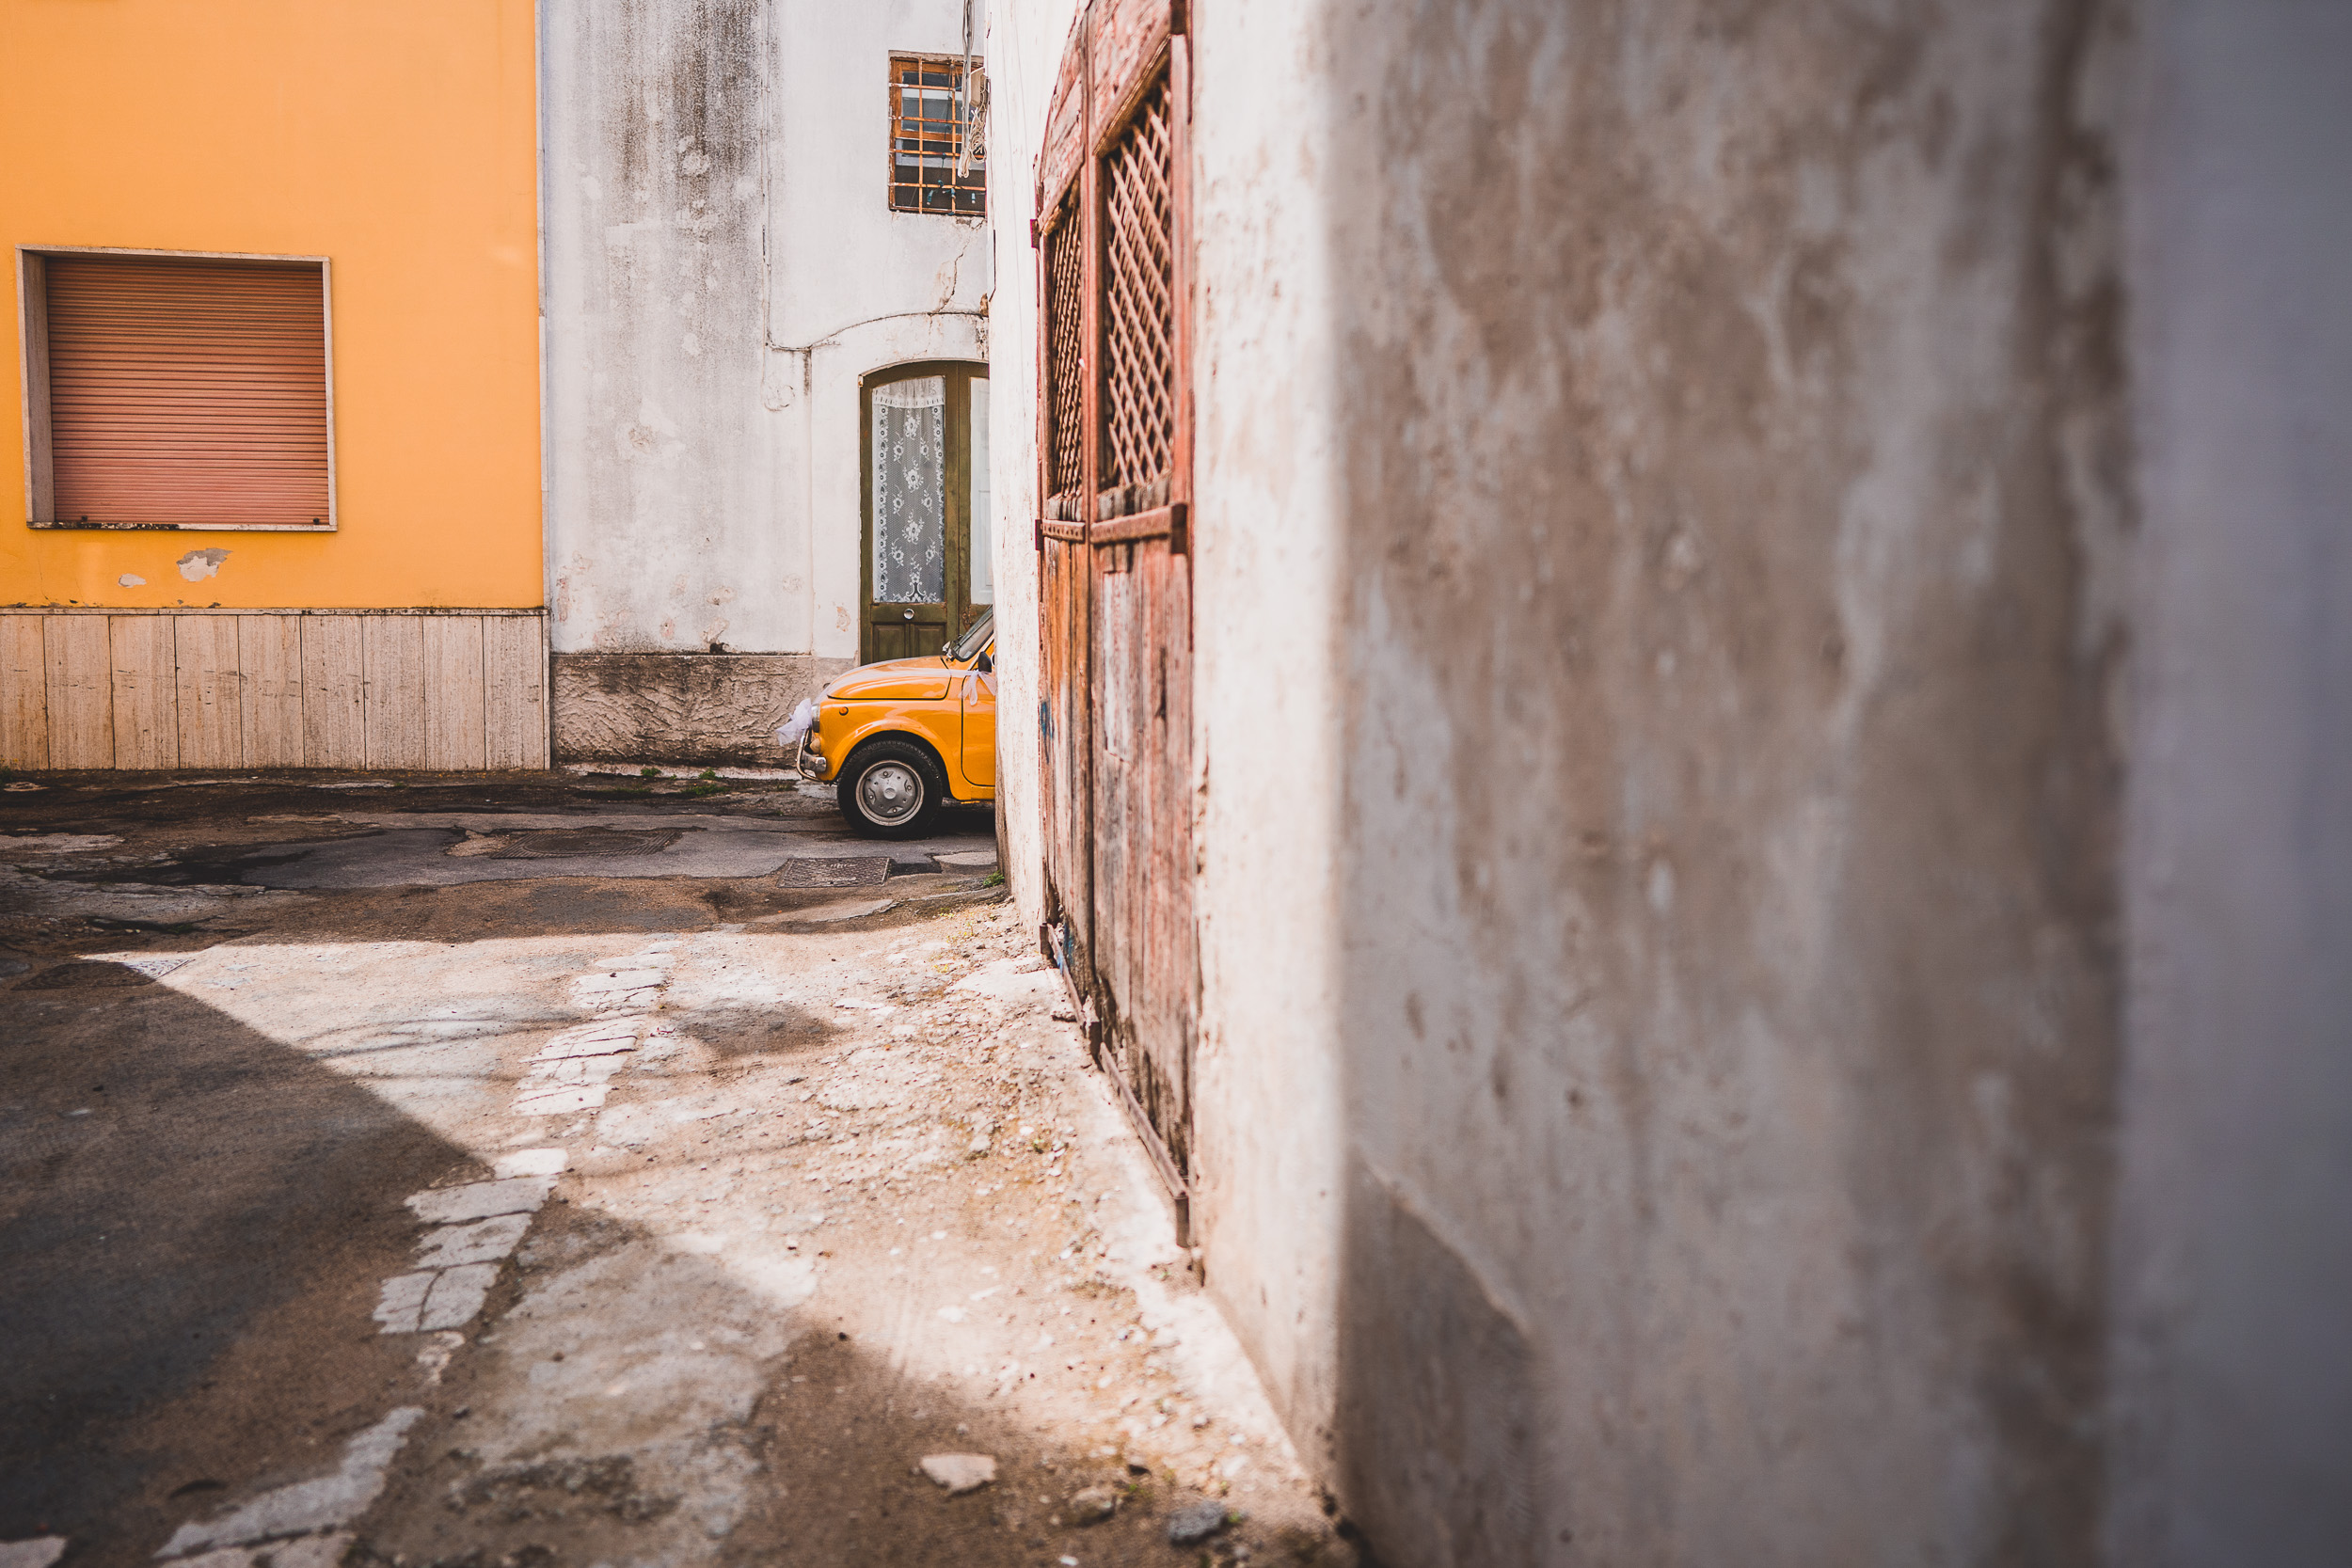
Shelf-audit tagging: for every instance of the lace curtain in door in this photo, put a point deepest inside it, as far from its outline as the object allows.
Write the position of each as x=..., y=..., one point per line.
x=909, y=420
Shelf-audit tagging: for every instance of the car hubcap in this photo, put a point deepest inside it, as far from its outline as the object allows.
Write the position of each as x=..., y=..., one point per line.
x=890, y=793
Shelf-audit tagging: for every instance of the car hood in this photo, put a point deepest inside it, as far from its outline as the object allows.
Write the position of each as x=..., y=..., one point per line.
x=893, y=679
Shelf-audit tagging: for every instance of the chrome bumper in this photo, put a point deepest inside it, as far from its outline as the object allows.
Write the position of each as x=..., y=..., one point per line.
x=807, y=760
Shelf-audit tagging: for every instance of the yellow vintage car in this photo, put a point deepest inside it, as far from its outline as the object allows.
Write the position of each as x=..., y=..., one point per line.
x=901, y=738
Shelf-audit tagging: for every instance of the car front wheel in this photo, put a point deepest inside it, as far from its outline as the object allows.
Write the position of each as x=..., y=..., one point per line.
x=891, y=789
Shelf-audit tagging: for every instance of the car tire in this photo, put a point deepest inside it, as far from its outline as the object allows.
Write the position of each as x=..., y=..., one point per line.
x=891, y=789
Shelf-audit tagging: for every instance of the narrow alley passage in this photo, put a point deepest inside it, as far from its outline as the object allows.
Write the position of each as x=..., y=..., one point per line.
x=557, y=1171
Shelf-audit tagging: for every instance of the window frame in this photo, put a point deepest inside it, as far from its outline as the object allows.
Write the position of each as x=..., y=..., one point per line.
x=32, y=303
x=957, y=490
x=952, y=64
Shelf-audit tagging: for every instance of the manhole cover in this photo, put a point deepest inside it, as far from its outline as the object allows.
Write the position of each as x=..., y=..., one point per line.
x=852, y=871
x=74, y=975
x=564, y=843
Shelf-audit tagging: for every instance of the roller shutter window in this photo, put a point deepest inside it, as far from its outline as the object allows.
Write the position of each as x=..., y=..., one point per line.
x=187, y=393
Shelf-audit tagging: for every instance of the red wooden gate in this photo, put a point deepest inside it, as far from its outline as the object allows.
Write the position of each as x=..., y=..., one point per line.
x=1115, y=581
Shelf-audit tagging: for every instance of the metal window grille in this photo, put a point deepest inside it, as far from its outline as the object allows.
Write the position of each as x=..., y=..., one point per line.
x=927, y=141
x=1139, y=300
x=1065, y=357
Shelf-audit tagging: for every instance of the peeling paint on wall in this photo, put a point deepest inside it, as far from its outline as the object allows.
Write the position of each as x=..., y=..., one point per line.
x=715, y=191
x=197, y=564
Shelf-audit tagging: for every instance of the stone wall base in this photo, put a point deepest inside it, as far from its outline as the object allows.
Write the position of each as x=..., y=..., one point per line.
x=709, y=708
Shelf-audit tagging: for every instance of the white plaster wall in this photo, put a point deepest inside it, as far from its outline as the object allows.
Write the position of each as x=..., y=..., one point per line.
x=1024, y=41
x=1266, y=707
x=721, y=268
x=854, y=287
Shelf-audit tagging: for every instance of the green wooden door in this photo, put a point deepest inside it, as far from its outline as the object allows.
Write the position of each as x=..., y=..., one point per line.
x=924, y=576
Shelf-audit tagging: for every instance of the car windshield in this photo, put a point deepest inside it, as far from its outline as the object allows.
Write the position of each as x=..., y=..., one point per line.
x=977, y=639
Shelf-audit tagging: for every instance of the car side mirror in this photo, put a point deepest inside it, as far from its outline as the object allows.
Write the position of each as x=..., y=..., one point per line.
x=984, y=664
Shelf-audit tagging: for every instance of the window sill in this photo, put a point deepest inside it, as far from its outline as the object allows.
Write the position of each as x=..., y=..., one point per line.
x=187, y=528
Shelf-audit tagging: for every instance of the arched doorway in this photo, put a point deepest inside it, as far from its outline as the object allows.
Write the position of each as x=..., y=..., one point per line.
x=926, y=572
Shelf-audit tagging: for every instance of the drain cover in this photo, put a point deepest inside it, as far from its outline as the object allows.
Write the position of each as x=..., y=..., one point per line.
x=852, y=871
x=564, y=843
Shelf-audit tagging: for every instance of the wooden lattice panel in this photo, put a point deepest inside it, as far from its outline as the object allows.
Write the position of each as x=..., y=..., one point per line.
x=1139, y=299
x=1065, y=355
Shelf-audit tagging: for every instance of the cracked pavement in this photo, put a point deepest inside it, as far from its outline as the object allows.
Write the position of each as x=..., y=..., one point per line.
x=669, y=1195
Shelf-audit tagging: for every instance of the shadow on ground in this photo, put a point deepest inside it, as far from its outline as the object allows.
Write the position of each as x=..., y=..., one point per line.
x=194, y=1270
x=193, y=1267
x=194, y=1221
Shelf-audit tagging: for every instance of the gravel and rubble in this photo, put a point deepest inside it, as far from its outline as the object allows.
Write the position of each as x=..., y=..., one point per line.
x=888, y=1285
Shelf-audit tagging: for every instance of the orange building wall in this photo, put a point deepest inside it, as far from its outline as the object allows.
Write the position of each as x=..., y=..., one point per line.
x=396, y=137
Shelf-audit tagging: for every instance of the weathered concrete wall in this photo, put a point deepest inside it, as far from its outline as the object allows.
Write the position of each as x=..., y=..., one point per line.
x=2233, y=1391
x=1773, y=572
x=722, y=268
x=665, y=475
x=1730, y=786
x=1267, y=625
x=1735, y=787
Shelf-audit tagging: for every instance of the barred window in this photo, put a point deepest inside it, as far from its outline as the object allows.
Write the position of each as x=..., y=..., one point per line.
x=927, y=129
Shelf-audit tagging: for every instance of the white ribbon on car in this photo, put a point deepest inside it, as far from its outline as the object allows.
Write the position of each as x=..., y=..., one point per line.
x=803, y=719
